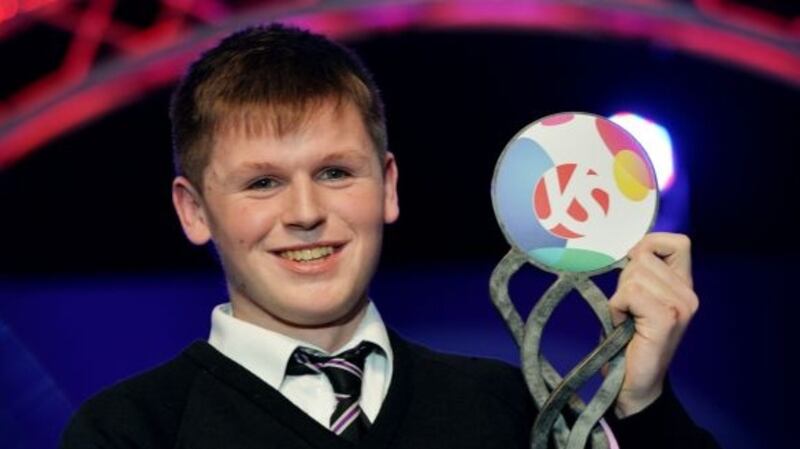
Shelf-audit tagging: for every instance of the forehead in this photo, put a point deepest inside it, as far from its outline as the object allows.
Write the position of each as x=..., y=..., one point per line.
x=319, y=125
x=275, y=119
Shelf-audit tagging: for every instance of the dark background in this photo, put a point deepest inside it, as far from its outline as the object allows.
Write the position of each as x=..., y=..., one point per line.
x=98, y=282
x=98, y=199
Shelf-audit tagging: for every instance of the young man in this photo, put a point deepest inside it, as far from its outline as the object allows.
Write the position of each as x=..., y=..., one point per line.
x=281, y=153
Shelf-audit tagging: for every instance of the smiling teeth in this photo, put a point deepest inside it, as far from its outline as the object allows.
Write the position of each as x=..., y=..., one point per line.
x=305, y=255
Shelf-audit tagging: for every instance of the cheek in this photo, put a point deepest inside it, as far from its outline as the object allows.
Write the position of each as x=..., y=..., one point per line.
x=362, y=209
x=246, y=225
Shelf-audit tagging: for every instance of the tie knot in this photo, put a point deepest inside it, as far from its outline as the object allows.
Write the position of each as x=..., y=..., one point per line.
x=344, y=370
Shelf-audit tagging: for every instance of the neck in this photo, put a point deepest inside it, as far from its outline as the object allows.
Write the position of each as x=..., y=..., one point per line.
x=330, y=336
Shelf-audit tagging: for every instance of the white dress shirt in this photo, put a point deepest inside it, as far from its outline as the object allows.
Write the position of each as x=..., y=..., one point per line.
x=266, y=353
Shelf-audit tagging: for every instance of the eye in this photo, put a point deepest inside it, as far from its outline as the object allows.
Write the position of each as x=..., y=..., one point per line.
x=334, y=173
x=263, y=184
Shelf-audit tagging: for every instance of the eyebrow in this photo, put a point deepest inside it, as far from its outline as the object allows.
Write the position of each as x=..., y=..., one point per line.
x=344, y=155
x=338, y=156
x=255, y=165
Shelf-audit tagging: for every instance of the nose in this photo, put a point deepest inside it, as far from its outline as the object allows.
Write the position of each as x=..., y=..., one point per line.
x=304, y=209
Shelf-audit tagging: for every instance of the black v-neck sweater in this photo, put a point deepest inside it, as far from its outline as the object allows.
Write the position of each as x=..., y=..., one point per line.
x=202, y=399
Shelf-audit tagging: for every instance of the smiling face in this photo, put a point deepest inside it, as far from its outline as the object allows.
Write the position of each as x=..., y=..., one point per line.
x=297, y=220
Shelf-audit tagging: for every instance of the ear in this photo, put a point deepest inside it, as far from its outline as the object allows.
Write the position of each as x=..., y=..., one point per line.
x=191, y=211
x=391, y=206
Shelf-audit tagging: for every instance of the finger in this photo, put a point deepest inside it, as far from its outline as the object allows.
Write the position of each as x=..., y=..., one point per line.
x=655, y=319
x=657, y=267
x=639, y=284
x=673, y=249
x=684, y=294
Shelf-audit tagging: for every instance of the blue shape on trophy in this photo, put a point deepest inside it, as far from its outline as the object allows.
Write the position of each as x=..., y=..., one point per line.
x=523, y=162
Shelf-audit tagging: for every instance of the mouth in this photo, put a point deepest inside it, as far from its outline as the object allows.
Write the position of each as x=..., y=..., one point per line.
x=309, y=253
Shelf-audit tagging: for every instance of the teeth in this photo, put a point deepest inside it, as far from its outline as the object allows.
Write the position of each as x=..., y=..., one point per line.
x=305, y=255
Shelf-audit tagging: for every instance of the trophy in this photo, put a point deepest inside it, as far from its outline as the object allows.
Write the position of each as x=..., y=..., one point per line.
x=573, y=193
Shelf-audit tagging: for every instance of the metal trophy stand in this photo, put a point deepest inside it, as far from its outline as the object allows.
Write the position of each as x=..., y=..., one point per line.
x=573, y=193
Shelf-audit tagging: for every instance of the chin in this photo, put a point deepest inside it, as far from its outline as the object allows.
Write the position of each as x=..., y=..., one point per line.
x=335, y=314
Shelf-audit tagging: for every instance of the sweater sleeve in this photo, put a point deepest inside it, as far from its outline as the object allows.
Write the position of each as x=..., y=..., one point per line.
x=664, y=424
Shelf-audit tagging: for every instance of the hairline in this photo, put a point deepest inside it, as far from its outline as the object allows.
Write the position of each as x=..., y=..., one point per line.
x=310, y=108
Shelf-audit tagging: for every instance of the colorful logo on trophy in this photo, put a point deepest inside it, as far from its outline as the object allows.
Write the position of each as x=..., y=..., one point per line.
x=574, y=192
x=566, y=204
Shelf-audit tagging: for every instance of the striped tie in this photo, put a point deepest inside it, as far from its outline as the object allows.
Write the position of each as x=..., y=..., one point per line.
x=344, y=371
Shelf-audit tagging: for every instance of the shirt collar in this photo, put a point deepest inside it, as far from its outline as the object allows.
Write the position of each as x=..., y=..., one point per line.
x=265, y=353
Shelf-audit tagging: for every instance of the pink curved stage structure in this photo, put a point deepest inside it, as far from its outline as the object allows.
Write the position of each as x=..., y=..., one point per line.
x=85, y=86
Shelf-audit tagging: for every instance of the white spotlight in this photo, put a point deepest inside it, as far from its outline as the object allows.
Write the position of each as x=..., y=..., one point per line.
x=655, y=140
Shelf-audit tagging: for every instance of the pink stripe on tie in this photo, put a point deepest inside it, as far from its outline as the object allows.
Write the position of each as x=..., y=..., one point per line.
x=345, y=362
x=346, y=366
x=312, y=367
x=612, y=441
x=347, y=417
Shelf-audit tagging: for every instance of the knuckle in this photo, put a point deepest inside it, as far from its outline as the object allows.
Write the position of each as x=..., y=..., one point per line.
x=673, y=316
x=681, y=315
x=684, y=241
x=684, y=313
x=634, y=271
x=633, y=288
x=694, y=303
x=635, y=252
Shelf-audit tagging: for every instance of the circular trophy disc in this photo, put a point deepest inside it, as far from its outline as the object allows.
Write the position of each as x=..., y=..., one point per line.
x=574, y=192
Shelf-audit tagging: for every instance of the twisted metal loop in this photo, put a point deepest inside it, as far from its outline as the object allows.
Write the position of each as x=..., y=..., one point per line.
x=550, y=392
